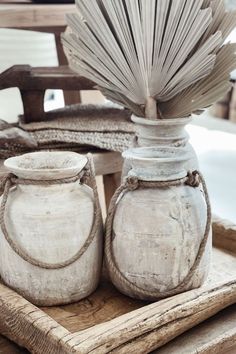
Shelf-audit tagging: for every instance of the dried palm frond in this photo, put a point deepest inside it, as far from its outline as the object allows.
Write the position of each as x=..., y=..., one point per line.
x=153, y=57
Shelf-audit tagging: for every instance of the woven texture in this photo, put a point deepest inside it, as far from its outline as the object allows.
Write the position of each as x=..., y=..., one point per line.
x=76, y=128
x=85, y=118
x=84, y=125
x=108, y=141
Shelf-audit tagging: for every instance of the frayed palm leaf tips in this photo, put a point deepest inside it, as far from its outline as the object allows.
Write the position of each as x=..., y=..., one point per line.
x=159, y=58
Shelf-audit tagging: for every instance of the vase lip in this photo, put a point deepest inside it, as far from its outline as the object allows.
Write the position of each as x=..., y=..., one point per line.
x=158, y=154
x=46, y=165
x=171, y=121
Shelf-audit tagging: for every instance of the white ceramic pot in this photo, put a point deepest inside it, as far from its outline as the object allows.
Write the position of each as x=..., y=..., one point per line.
x=50, y=223
x=157, y=232
x=163, y=133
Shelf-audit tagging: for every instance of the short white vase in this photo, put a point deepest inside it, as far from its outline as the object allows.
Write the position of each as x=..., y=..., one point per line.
x=157, y=232
x=50, y=223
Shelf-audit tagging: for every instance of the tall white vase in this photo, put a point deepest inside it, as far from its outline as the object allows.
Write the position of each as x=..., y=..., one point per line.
x=50, y=223
x=157, y=232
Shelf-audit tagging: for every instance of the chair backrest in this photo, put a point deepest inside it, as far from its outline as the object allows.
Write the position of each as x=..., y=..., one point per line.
x=22, y=47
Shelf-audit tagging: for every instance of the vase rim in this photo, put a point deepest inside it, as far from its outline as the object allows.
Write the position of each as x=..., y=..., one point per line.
x=159, y=154
x=171, y=121
x=46, y=165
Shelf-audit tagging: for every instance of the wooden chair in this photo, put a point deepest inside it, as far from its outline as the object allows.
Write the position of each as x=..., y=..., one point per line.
x=49, y=18
x=32, y=83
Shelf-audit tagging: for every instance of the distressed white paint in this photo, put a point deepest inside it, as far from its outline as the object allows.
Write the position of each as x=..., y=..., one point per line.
x=51, y=223
x=157, y=232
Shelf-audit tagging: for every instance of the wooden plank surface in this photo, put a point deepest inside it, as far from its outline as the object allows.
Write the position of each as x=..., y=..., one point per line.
x=224, y=234
x=217, y=335
x=34, y=15
x=8, y=347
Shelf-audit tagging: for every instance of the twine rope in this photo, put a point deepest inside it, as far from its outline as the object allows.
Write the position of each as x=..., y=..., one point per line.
x=193, y=179
x=87, y=176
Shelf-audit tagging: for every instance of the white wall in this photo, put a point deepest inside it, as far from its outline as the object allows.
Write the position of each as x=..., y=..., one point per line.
x=22, y=47
x=214, y=140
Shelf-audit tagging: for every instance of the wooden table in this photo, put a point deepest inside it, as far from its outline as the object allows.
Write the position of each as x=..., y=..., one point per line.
x=48, y=18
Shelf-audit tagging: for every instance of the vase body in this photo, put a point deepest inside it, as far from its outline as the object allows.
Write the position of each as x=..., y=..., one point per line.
x=157, y=232
x=163, y=133
x=51, y=223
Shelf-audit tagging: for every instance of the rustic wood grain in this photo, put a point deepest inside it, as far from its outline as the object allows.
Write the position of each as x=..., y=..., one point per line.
x=33, y=83
x=153, y=326
x=103, y=305
x=28, y=78
x=215, y=336
x=8, y=347
x=34, y=15
x=107, y=162
x=224, y=234
x=111, y=183
x=20, y=319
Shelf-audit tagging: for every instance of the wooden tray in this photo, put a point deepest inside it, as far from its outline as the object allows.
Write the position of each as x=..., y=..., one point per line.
x=110, y=322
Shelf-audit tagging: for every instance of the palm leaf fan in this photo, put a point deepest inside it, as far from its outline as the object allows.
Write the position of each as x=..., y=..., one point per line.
x=148, y=54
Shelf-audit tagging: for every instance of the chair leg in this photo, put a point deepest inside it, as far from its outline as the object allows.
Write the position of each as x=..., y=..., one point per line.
x=70, y=97
x=111, y=183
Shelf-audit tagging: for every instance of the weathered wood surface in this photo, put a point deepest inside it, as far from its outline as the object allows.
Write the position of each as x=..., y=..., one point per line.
x=33, y=83
x=8, y=347
x=34, y=15
x=215, y=336
x=28, y=78
x=111, y=183
x=224, y=234
x=103, y=305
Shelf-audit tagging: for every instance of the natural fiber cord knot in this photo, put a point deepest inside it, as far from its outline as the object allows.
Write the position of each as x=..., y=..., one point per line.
x=132, y=183
x=86, y=176
x=193, y=179
x=6, y=179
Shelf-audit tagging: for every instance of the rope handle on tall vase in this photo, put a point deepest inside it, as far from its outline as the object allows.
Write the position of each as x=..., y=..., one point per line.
x=87, y=177
x=193, y=179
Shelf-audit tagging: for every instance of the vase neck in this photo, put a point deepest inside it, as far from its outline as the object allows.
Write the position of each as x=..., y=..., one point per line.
x=156, y=164
x=161, y=132
x=46, y=166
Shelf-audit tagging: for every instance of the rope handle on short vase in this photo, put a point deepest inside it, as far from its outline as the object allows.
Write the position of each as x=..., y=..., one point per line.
x=193, y=179
x=87, y=177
